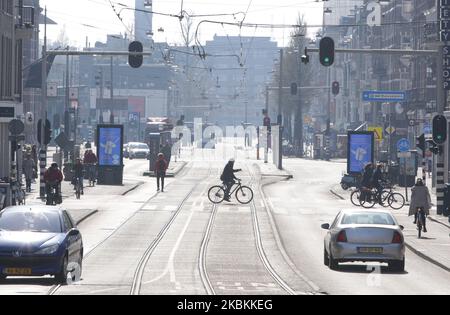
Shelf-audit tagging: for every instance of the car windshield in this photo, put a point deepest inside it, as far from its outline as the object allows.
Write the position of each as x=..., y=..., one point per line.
x=139, y=146
x=369, y=218
x=22, y=221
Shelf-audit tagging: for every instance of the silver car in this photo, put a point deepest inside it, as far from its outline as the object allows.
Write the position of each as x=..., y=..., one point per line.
x=364, y=236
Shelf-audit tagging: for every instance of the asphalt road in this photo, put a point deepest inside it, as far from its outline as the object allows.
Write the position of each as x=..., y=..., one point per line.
x=303, y=204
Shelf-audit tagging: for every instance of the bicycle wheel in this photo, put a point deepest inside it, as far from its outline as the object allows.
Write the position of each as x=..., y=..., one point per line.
x=78, y=191
x=396, y=201
x=369, y=201
x=244, y=195
x=419, y=228
x=216, y=194
x=355, y=198
x=385, y=198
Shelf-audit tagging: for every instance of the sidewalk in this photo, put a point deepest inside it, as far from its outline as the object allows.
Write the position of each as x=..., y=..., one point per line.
x=270, y=170
x=80, y=212
x=433, y=247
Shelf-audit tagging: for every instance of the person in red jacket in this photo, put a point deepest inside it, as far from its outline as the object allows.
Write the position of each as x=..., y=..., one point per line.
x=53, y=178
x=160, y=171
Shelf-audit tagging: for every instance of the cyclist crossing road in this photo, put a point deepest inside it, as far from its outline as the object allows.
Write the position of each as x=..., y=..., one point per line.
x=228, y=178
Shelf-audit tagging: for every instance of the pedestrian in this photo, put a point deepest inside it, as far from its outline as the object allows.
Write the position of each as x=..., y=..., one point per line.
x=28, y=167
x=160, y=171
x=167, y=151
x=420, y=198
x=34, y=156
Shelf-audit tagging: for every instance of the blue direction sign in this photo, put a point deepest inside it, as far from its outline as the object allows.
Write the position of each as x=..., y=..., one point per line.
x=384, y=96
x=403, y=145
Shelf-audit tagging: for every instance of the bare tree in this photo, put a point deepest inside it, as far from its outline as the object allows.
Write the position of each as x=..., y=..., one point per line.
x=187, y=29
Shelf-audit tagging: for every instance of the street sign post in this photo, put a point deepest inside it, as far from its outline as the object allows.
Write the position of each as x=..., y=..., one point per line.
x=403, y=145
x=384, y=96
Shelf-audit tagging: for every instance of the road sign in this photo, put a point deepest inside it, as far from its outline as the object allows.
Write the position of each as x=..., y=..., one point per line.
x=390, y=130
x=403, y=145
x=384, y=96
x=378, y=131
x=16, y=127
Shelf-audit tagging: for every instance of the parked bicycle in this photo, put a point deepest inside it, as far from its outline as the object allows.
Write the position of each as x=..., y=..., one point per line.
x=244, y=194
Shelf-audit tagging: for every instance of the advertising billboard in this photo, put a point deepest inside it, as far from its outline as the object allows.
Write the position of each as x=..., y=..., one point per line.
x=361, y=147
x=110, y=144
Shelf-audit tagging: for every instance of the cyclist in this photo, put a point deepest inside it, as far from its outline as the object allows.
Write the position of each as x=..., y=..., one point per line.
x=78, y=169
x=90, y=160
x=420, y=199
x=228, y=178
x=366, y=182
x=377, y=180
x=53, y=178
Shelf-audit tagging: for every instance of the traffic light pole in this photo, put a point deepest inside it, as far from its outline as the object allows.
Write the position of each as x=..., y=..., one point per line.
x=43, y=147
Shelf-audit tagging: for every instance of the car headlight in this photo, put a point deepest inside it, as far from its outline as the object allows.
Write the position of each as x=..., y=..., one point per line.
x=48, y=250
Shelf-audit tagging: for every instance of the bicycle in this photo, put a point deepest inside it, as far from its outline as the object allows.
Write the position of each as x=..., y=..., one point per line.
x=53, y=197
x=92, y=174
x=244, y=194
x=387, y=198
x=420, y=221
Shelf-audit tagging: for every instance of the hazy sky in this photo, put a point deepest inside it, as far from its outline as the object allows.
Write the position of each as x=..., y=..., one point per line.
x=96, y=19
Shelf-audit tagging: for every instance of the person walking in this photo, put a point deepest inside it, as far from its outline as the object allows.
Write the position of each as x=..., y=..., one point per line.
x=420, y=199
x=28, y=167
x=160, y=171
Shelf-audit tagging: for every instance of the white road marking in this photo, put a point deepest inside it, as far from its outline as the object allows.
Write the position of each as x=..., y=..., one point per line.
x=170, y=268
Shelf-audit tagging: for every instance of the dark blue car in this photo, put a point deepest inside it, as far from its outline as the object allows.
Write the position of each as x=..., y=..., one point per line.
x=39, y=241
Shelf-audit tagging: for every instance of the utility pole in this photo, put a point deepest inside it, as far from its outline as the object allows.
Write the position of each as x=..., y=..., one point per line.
x=43, y=148
x=280, y=114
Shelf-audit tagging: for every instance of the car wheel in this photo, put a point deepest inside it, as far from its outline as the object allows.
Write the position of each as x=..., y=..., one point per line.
x=61, y=277
x=397, y=265
x=326, y=258
x=333, y=263
x=344, y=186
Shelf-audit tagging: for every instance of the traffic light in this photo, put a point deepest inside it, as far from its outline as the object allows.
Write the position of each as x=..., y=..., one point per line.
x=336, y=88
x=135, y=61
x=47, y=132
x=421, y=143
x=440, y=129
x=294, y=89
x=327, y=51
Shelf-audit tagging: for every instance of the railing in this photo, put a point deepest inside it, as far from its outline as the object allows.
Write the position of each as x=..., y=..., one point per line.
x=26, y=18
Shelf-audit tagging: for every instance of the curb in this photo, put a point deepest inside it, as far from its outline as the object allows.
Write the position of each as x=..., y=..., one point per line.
x=439, y=222
x=427, y=258
x=87, y=217
x=168, y=175
x=336, y=194
x=133, y=188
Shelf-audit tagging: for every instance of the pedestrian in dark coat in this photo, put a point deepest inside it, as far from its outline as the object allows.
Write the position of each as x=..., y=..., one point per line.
x=160, y=171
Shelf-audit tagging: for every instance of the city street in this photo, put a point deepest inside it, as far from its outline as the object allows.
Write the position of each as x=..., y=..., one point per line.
x=178, y=243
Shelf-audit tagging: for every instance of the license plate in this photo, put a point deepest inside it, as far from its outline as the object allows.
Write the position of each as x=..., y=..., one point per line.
x=17, y=272
x=370, y=250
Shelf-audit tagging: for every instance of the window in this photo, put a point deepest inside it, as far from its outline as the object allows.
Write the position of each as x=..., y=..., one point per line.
x=6, y=68
x=67, y=222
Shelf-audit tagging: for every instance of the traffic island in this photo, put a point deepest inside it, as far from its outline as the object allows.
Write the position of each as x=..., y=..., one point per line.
x=174, y=169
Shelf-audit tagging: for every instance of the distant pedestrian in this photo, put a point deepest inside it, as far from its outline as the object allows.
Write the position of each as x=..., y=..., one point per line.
x=160, y=171
x=28, y=167
x=420, y=198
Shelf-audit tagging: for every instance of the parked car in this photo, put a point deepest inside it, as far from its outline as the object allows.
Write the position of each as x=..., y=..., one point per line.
x=358, y=236
x=39, y=241
x=138, y=150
